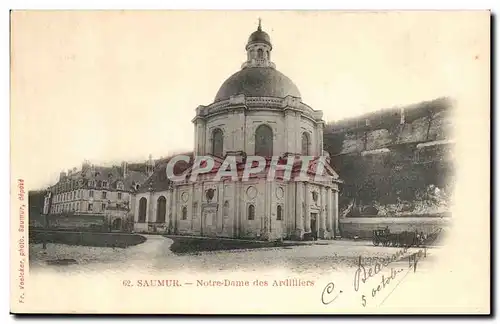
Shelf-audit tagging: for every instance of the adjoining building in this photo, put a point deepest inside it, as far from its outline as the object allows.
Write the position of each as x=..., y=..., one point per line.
x=258, y=111
x=95, y=196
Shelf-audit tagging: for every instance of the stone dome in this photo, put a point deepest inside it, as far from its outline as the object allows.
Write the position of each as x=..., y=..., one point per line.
x=258, y=82
x=259, y=36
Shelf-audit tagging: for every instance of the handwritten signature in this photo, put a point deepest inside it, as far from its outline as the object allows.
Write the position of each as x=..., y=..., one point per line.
x=363, y=273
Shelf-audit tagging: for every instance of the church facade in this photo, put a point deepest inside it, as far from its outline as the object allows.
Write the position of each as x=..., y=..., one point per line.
x=257, y=111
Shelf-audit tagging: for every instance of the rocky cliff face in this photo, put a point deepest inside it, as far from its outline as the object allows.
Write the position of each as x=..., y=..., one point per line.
x=395, y=162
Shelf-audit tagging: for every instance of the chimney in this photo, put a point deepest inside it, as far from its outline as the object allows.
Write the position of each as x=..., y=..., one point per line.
x=124, y=169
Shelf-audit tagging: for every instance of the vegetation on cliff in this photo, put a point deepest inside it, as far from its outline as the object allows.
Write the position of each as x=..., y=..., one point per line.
x=394, y=166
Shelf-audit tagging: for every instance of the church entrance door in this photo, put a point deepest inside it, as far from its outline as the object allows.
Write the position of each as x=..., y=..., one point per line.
x=314, y=227
x=117, y=224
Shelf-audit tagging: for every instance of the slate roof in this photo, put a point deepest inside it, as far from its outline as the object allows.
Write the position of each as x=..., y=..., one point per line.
x=158, y=181
x=112, y=174
x=258, y=82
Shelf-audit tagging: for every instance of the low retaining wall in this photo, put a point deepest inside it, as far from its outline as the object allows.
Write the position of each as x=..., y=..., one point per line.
x=86, y=238
x=363, y=226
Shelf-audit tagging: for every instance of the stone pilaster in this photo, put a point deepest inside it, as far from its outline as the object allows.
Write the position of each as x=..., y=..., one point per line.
x=320, y=139
x=220, y=209
x=299, y=220
x=335, y=212
x=175, y=214
x=150, y=217
x=236, y=208
x=322, y=214
x=307, y=201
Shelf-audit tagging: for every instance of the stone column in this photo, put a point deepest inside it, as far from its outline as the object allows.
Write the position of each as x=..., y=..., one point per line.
x=290, y=132
x=265, y=221
x=322, y=214
x=200, y=134
x=319, y=143
x=190, y=206
x=220, y=207
x=236, y=209
x=175, y=225
x=335, y=212
x=299, y=220
x=307, y=200
x=196, y=139
x=329, y=210
x=150, y=214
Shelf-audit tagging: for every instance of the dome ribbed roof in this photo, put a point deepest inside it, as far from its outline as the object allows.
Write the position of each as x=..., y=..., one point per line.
x=259, y=36
x=258, y=82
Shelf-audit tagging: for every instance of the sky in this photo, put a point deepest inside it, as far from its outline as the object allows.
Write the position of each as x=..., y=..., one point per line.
x=109, y=86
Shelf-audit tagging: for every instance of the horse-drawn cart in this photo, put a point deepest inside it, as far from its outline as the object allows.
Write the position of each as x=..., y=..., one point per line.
x=403, y=239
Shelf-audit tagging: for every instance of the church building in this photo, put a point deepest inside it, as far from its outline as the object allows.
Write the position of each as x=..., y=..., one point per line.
x=258, y=111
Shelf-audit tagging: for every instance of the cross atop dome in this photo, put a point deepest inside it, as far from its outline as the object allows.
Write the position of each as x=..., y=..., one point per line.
x=259, y=49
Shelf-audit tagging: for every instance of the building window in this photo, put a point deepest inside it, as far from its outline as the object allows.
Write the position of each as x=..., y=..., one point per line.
x=279, y=213
x=217, y=142
x=91, y=193
x=119, y=186
x=105, y=184
x=161, y=209
x=104, y=194
x=225, y=211
x=306, y=142
x=103, y=207
x=90, y=207
x=184, y=213
x=195, y=209
x=260, y=54
x=251, y=212
x=119, y=195
x=142, y=210
x=264, y=141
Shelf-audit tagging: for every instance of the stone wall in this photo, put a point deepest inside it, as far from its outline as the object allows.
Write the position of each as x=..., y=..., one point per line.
x=395, y=162
x=363, y=227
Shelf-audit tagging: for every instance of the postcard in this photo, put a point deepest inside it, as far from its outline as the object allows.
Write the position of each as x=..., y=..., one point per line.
x=250, y=162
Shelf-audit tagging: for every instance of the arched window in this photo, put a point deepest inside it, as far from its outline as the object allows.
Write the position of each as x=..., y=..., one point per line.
x=264, y=141
x=225, y=211
x=251, y=212
x=217, y=142
x=279, y=213
x=161, y=209
x=143, y=202
x=306, y=143
x=260, y=54
x=184, y=213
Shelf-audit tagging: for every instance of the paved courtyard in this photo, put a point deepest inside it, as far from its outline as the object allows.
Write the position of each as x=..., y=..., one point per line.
x=154, y=256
